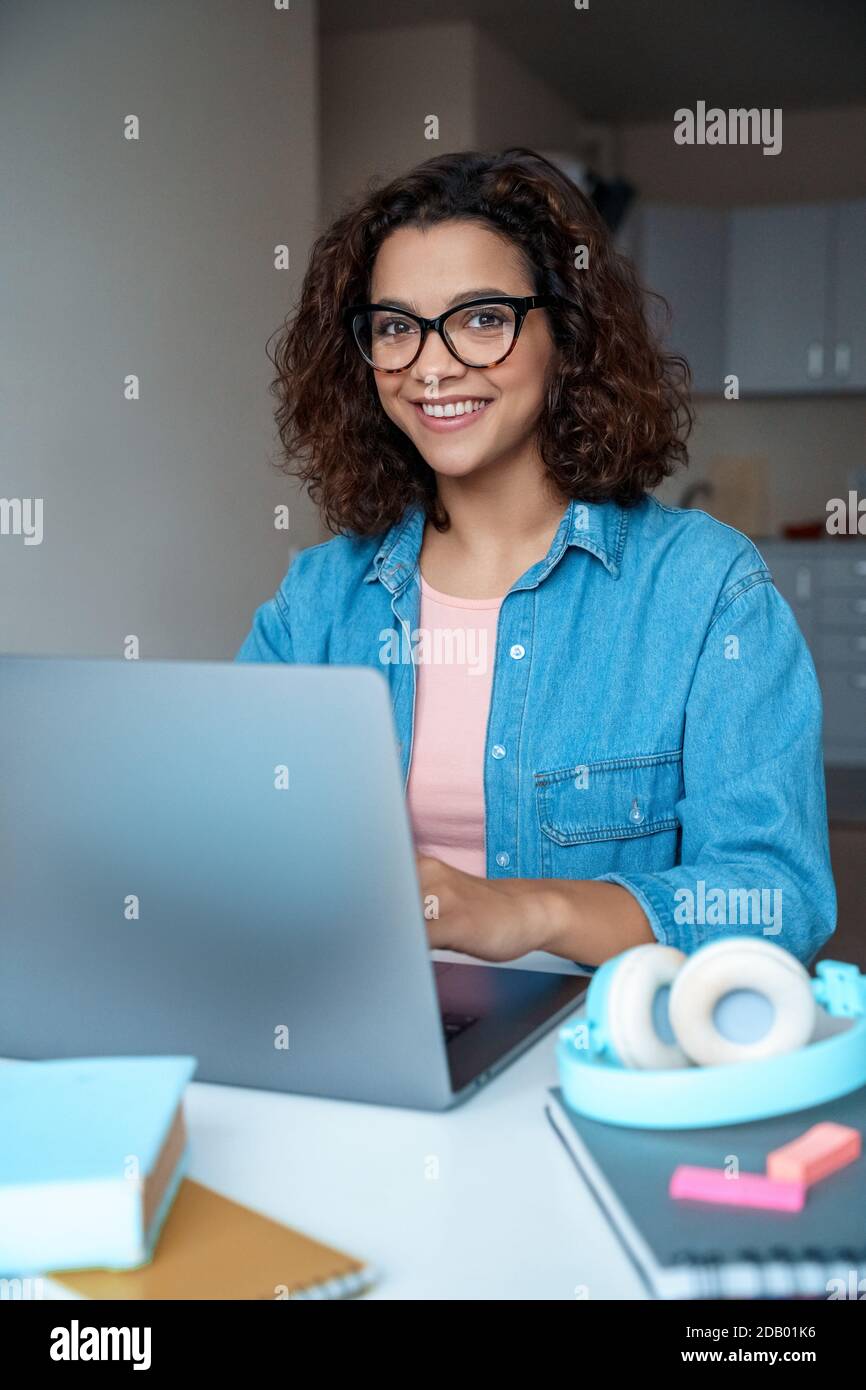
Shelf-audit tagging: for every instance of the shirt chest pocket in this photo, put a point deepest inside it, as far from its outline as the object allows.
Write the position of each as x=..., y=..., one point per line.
x=616, y=816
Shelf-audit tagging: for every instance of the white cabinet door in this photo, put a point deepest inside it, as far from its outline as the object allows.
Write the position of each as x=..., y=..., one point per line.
x=848, y=314
x=825, y=584
x=795, y=567
x=777, y=298
x=681, y=255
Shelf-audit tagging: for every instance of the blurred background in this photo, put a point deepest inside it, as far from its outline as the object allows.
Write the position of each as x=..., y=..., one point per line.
x=141, y=279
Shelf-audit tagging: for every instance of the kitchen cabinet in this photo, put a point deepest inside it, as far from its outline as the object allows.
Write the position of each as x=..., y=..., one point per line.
x=794, y=570
x=777, y=298
x=681, y=252
x=774, y=295
x=825, y=584
x=848, y=330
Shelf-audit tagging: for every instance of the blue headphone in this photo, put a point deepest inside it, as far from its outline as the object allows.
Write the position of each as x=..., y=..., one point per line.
x=736, y=1031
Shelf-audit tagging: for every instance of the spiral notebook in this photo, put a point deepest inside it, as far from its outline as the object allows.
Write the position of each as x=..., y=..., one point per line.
x=213, y=1248
x=687, y=1250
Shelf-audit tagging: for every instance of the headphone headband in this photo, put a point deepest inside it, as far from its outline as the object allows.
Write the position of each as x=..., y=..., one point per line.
x=700, y=1097
x=840, y=989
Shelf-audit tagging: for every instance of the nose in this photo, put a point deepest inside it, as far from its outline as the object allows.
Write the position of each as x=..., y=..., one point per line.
x=436, y=360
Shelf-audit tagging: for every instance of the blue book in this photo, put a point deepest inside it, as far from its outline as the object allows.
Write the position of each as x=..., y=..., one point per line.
x=92, y=1152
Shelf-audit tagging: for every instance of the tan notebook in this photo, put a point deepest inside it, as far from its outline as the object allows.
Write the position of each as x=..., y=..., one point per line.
x=213, y=1248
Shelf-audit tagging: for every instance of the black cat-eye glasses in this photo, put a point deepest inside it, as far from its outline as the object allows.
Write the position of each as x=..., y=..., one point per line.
x=479, y=333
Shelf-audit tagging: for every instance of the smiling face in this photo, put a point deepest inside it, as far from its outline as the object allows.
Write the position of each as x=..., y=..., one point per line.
x=462, y=419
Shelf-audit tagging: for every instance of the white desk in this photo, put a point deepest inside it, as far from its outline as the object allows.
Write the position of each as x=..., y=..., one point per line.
x=507, y=1218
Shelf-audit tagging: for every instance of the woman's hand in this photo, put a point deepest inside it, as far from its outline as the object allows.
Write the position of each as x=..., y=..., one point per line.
x=502, y=918
x=497, y=919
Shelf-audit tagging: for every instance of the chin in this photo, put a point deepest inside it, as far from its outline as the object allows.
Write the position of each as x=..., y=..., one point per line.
x=450, y=464
x=456, y=468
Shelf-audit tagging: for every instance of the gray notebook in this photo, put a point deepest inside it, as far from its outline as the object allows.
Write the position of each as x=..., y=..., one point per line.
x=685, y=1249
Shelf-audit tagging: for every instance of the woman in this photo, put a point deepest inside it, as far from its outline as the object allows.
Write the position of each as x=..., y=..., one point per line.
x=610, y=723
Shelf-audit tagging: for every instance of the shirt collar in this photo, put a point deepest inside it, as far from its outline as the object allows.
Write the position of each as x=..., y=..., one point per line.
x=599, y=527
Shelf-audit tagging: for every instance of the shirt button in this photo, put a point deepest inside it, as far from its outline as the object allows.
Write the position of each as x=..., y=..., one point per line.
x=498, y=751
x=517, y=652
x=503, y=859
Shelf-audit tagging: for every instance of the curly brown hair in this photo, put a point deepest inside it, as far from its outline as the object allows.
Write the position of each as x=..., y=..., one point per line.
x=617, y=411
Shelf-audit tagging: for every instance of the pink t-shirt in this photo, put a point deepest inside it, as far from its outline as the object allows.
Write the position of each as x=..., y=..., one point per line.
x=455, y=653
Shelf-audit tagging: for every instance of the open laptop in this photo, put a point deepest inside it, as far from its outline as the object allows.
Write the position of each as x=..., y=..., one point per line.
x=215, y=859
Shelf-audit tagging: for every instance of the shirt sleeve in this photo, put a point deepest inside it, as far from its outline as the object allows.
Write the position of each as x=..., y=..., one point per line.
x=754, y=846
x=270, y=637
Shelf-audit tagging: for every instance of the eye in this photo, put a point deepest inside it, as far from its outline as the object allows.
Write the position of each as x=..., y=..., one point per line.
x=485, y=318
x=393, y=327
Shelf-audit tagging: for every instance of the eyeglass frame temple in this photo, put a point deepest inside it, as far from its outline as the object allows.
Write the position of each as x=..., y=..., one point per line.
x=522, y=304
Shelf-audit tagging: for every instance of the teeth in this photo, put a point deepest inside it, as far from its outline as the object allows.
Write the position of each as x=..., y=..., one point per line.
x=452, y=408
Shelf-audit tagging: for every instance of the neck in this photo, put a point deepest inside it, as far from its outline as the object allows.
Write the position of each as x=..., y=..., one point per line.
x=503, y=520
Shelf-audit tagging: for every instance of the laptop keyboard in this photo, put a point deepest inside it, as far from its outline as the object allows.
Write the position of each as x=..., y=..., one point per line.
x=455, y=1024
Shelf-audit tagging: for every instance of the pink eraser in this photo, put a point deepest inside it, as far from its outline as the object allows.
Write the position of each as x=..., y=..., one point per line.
x=821, y=1150
x=743, y=1190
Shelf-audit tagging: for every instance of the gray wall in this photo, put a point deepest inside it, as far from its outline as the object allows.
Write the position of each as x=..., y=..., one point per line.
x=823, y=155
x=379, y=86
x=152, y=257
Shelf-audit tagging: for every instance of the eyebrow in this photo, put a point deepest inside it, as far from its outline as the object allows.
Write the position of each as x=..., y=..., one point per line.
x=485, y=291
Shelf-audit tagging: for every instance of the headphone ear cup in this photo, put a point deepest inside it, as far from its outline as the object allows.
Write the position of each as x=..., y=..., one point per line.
x=741, y=999
x=634, y=1019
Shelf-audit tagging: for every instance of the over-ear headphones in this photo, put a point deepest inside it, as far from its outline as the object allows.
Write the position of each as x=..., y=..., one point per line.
x=732, y=1001
x=735, y=1031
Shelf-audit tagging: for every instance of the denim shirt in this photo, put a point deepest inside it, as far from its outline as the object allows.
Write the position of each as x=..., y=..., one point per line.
x=655, y=717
